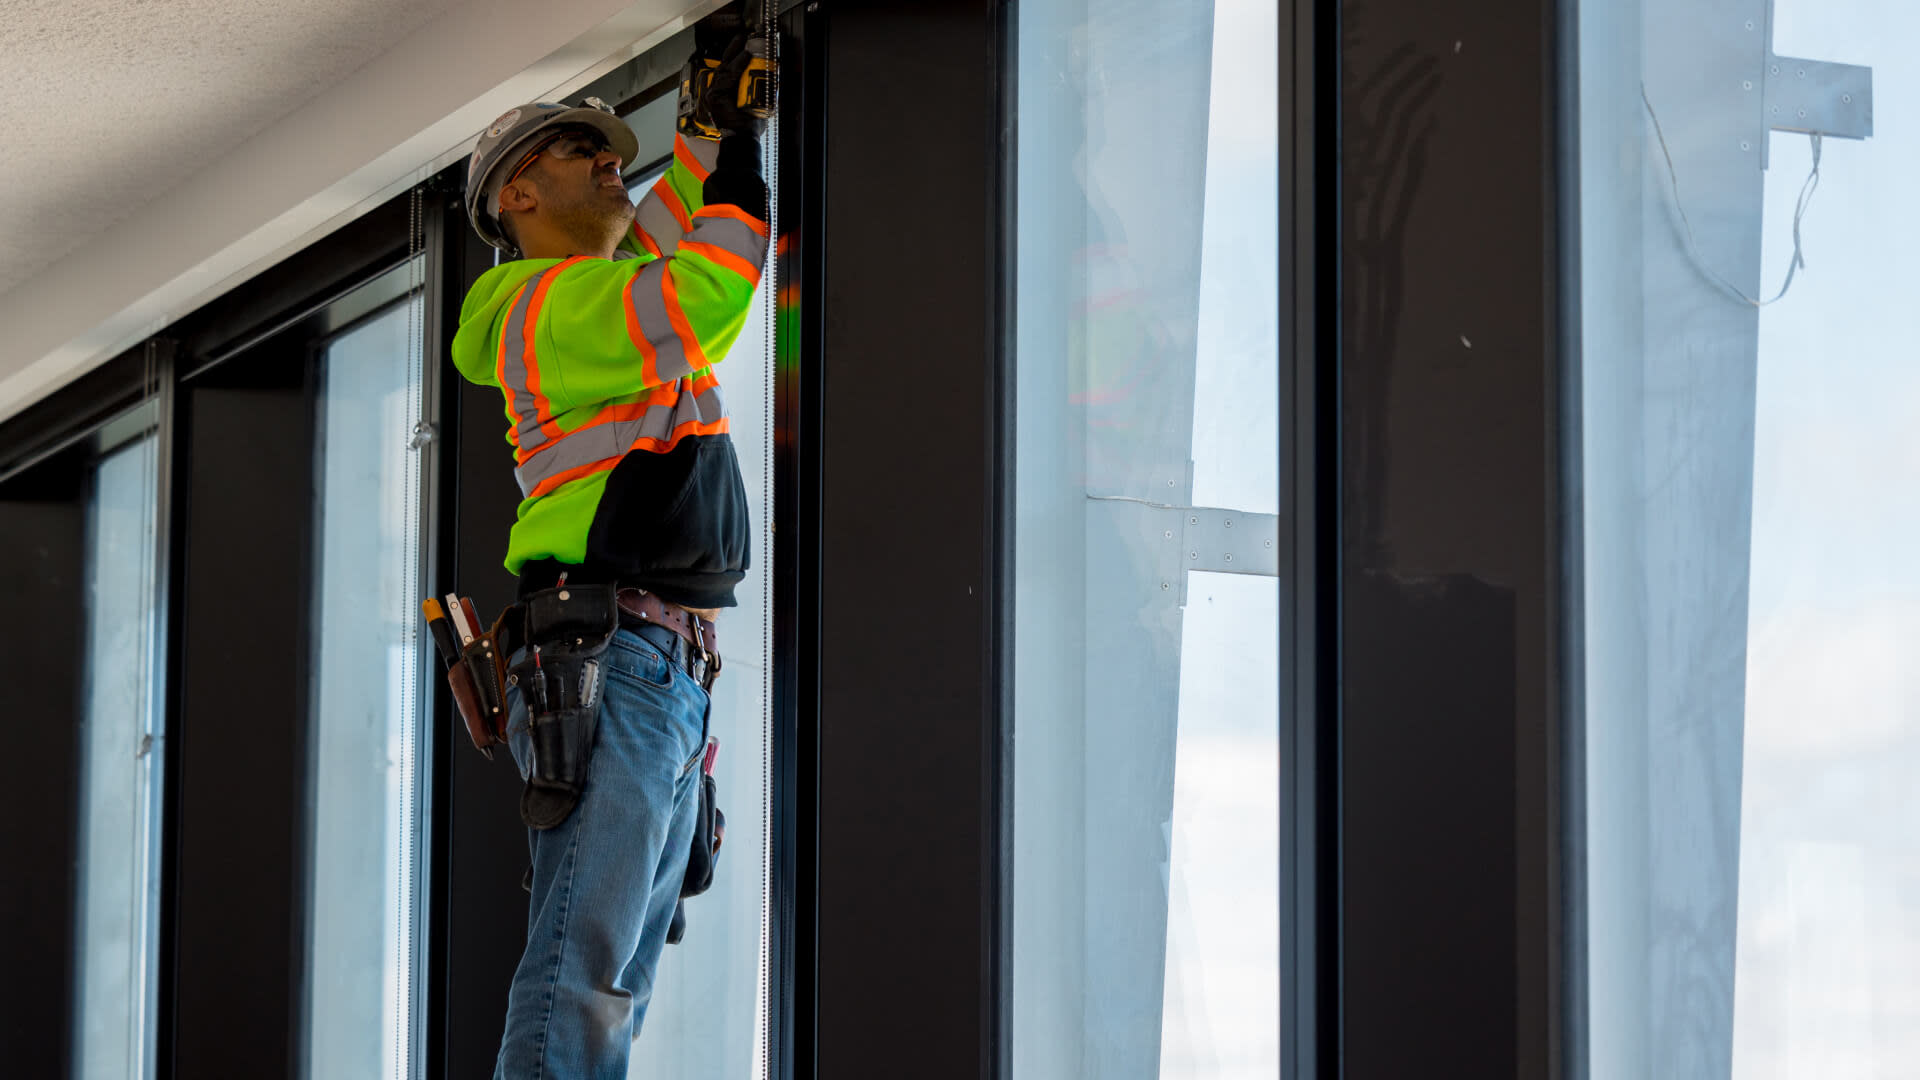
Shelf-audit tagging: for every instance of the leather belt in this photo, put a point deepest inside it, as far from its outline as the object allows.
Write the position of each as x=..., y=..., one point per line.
x=703, y=642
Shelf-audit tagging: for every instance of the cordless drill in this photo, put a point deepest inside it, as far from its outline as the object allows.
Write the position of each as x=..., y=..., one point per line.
x=730, y=47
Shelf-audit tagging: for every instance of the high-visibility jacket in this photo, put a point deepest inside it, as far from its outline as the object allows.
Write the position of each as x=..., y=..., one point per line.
x=615, y=420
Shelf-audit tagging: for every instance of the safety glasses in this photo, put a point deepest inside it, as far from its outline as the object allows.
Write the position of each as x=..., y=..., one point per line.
x=565, y=145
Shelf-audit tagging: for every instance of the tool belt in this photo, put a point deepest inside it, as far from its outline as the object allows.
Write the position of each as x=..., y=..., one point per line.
x=560, y=634
x=703, y=641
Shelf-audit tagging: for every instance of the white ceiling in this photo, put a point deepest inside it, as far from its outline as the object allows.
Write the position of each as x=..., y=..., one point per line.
x=108, y=103
x=156, y=153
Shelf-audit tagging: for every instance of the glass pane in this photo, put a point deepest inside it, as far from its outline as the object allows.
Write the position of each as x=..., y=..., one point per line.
x=1753, y=740
x=365, y=814
x=1146, y=784
x=706, y=1020
x=121, y=769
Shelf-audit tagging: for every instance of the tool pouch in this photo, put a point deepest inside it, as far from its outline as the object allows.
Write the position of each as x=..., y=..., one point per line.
x=709, y=830
x=478, y=682
x=567, y=631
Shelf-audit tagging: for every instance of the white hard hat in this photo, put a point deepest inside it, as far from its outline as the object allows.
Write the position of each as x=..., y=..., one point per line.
x=508, y=140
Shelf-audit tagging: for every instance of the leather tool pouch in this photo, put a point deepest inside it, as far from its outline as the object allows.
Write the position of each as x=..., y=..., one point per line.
x=561, y=679
x=709, y=829
x=479, y=687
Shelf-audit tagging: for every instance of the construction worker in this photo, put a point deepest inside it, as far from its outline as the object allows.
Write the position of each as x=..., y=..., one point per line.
x=601, y=328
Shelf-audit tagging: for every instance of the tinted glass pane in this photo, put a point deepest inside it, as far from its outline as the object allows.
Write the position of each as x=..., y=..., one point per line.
x=121, y=768
x=1146, y=875
x=1752, y=730
x=365, y=815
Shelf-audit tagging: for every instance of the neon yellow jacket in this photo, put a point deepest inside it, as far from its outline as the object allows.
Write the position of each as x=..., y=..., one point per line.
x=616, y=422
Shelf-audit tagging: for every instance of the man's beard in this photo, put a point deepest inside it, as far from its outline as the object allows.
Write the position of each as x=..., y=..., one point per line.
x=596, y=219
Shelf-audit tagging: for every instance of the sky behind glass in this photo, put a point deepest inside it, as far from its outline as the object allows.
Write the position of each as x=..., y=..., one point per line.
x=1828, y=964
x=1223, y=954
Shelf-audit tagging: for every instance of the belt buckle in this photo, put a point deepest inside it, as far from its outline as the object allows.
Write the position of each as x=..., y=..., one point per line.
x=709, y=658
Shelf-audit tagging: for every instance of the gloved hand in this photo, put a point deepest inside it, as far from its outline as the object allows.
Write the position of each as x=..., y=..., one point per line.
x=720, y=106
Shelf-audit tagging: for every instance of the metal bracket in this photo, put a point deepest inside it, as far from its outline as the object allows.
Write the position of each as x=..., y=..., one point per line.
x=1230, y=541
x=1816, y=97
x=1183, y=538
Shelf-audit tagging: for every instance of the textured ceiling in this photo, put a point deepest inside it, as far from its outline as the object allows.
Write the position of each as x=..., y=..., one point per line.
x=108, y=103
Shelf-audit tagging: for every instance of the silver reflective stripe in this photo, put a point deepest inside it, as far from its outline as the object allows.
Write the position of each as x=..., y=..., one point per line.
x=708, y=406
x=650, y=306
x=733, y=235
x=705, y=151
x=513, y=373
x=658, y=221
x=603, y=442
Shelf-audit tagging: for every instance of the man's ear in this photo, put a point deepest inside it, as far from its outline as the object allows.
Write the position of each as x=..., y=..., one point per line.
x=518, y=197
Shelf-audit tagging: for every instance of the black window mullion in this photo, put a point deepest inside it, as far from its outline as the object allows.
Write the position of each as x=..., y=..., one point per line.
x=911, y=607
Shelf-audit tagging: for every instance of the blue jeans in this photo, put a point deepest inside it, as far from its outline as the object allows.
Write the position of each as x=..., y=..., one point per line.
x=606, y=879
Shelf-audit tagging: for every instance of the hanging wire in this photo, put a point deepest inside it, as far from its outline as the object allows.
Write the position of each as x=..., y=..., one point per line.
x=1807, y=188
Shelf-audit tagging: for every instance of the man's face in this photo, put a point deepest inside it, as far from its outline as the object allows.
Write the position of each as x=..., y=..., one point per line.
x=577, y=180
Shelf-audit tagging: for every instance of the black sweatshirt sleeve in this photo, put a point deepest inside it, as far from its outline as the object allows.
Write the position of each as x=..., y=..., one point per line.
x=736, y=178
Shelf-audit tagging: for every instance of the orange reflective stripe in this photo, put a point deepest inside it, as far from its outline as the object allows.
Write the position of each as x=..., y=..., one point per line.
x=672, y=202
x=689, y=341
x=530, y=332
x=721, y=257
x=683, y=154
x=728, y=210
x=669, y=414
x=573, y=474
x=645, y=442
x=691, y=427
x=646, y=240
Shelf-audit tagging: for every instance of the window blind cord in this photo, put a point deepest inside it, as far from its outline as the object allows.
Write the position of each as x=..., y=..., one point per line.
x=770, y=281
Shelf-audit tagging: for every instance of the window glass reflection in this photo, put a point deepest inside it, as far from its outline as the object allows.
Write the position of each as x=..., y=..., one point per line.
x=121, y=768
x=365, y=814
x=1147, y=478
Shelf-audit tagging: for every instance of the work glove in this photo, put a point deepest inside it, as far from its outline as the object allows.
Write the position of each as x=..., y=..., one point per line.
x=720, y=106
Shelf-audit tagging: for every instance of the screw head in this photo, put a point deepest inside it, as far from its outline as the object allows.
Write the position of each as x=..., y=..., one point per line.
x=1229, y=556
x=1802, y=73
x=1269, y=543
x=1848, y=98
x=1749, y=24
x=1193, y=521
x=1169, y=534
x=1746, y=84
x=1745, y=145
x=1803, y=114
x=1775, y=69
x=1164, y=586
x=1193, y=554
x=1229, y=523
